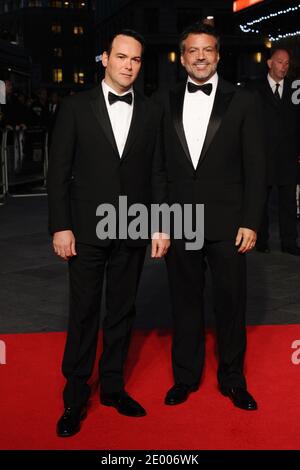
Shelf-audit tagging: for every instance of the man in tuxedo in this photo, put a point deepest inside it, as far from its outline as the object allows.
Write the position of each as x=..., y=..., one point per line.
x=105, y=145
x=281, y=118
x=215, y=157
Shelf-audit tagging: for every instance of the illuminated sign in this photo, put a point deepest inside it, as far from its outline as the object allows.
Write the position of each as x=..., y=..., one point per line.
x=242, y=4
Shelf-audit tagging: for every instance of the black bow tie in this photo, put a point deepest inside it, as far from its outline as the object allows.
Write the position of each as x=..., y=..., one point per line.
x=112, y=98
x=206, y=88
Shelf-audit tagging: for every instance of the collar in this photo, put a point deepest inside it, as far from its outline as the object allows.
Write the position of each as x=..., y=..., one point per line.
x=273, y=83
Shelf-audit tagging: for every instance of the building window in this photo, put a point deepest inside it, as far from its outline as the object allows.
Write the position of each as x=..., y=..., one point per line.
x=57, y=52
x=78, y=30
x=257, y=57
x=172, y=57
x=56, y=28
x=80, y=4
x=56, y=4
x=57, y=75
x=79, y=77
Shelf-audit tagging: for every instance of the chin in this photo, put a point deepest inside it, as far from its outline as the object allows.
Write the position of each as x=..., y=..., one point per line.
x=127, y=83
x=203, y=77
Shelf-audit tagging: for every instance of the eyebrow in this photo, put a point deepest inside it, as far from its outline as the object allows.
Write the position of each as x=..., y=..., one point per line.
x=125, y=55
x=203, y=47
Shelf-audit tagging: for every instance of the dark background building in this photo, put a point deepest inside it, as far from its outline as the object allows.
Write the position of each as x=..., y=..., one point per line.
x=59, y=35
x=161, y=21
x=15, y=63
x=268, y=23
x=243, y=55
x=65, y=39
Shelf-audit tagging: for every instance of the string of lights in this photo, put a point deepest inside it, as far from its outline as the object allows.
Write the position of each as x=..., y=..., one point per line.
x=283, y=36
x=248, y=27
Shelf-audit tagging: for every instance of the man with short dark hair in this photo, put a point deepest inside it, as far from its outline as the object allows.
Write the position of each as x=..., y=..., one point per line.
x=105, y=145
x=214, y=156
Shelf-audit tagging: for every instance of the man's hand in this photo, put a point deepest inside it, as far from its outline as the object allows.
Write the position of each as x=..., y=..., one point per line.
x=160, y=244
x=64, y=244
x=247, y=238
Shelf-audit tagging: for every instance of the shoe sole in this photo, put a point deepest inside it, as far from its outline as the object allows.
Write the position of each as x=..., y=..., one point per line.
x=170, y=403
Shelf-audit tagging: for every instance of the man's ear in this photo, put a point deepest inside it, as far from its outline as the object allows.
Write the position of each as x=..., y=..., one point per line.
x=269, y=62
x=104, y=59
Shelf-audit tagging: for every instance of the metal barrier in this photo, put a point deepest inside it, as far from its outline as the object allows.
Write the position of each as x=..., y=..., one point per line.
x=24, y=160
x=298, y=200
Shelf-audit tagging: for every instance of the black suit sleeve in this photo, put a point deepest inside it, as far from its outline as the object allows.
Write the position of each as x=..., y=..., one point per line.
x=254, y=163
x=60, y=169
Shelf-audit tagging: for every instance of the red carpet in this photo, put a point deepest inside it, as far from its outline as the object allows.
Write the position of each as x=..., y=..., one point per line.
x=31, y=385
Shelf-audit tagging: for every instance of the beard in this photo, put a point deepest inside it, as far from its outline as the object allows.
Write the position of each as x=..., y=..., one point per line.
x=202, y=74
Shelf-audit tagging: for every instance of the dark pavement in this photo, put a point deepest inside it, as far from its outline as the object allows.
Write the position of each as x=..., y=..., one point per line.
x=34, y=284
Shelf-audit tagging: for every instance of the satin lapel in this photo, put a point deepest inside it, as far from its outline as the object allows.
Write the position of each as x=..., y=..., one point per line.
x=176, y=104
x=222, y=99
x=269, y=93
x=99, y=108
x=137, y=120
x=286, y=96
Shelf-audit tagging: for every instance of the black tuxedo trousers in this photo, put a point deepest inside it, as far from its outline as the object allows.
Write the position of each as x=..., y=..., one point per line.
x=186, y=272
x=287, y=210
x=123, y=265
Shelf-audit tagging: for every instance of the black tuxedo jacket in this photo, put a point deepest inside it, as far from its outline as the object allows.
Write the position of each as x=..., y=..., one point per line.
x=85, y=169
x=230, y=177
x=281, y=132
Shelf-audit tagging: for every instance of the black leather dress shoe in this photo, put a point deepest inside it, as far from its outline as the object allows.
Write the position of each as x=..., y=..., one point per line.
x=240, y=398
x=262, y=248
x=179, y=393
x=292, y=250
x=123, y=403
x=69, y=423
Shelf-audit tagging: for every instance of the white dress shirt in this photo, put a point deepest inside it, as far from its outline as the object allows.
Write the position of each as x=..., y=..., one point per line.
x=52, y=108
x=272, y=84
x=197, y=109
x=120, y=115
x=2, y=92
